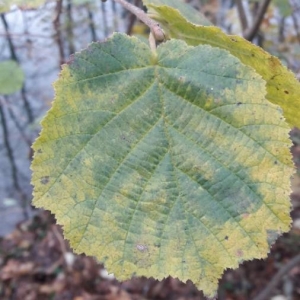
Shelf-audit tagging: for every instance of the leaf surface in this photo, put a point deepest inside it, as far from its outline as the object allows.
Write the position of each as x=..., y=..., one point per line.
x=187, y=11
x=11, y=77
x=169, y=165
x=282, y=86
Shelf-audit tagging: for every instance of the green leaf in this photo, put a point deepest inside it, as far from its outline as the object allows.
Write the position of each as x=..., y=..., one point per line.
x=186, y=10
x=6, y=4
x=284, y=7
x=11, y=77
x=282, y=86
x=173, y=164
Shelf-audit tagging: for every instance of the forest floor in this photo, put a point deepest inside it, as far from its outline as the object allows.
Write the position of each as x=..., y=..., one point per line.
x=36, y=263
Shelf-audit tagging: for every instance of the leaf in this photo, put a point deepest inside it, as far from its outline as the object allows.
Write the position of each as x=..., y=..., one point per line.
x=282, y=86
x=169, y=165
x=187, y=11
x=11, y=77
x=6, y=4
x=284, y=7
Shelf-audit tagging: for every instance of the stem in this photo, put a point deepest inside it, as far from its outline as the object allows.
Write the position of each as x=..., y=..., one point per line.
x=250, y=33
x=141, y=15
x=152, y=42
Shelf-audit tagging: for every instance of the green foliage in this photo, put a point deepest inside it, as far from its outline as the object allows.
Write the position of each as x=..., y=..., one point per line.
x=282, y=87
x=6, y=4
x=11, y=77
x=284, y=7
x=167, y=163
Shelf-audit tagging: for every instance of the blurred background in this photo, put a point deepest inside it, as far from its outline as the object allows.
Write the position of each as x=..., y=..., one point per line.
x=35, y=261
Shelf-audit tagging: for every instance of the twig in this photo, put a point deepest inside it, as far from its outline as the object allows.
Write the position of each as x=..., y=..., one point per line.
x=242, y=14
x=91, y=23
x=9, y=150
x=12, y=115
x=132, y=19
x=104, y=18
x=276, y=279
x=12, y=162
x=56, y=24
x=251, y=32
x=294, y=18
x=69, y=28
x=14, y=57
x=141, y=15
x=281, y=30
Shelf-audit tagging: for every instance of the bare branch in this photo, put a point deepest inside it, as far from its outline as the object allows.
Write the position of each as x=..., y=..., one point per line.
x=251, y=32
x=242, y=14
x=141, y=15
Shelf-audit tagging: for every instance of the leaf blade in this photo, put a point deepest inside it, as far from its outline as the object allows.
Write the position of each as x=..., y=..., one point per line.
x=155, y=174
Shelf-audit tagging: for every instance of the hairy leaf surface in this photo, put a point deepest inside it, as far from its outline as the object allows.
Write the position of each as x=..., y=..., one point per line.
x=282, y=87
x=11, y=77
x=173, y=164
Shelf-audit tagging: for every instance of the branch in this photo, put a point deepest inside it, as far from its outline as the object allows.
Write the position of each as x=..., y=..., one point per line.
x=276, y=279
x=56, y=24
x=242, y=14
x=141, y=15
x=250, y=33
x=294, y=17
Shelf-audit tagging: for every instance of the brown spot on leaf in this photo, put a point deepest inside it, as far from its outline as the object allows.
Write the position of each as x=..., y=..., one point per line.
x=286, y=92
x=239, y=253
x=44, y=180
x=226, y=237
